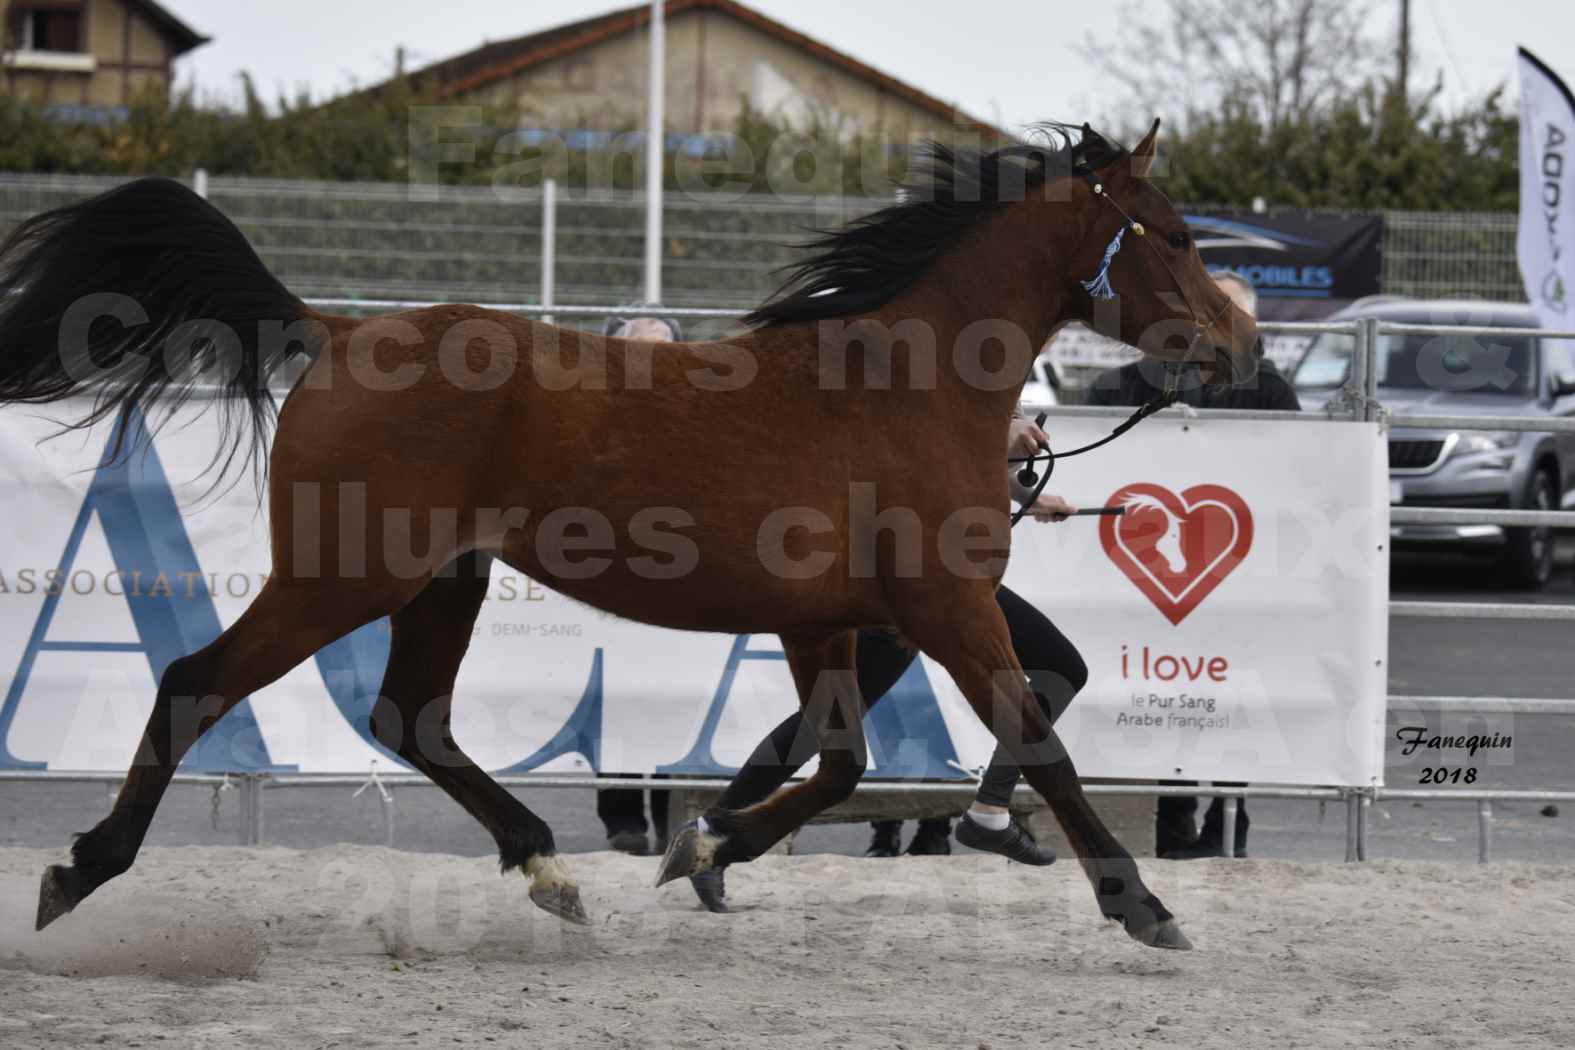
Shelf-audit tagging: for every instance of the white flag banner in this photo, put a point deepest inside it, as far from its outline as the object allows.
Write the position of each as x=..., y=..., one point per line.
x=1546, y=242
x=1233, y=623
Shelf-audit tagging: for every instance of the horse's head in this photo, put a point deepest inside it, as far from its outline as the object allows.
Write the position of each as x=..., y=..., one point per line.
x=1141, y=270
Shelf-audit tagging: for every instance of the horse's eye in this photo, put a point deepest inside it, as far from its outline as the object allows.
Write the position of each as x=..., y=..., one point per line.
x=1179, y=241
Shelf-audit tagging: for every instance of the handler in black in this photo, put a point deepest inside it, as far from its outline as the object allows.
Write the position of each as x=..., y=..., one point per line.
x=1176, y=833
x=1055, y=674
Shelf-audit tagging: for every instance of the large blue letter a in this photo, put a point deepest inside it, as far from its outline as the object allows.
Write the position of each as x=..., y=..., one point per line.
x=142, y=523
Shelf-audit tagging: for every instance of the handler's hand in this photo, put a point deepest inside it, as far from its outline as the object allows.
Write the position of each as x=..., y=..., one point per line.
x=1051, y=508
x=1025, y=438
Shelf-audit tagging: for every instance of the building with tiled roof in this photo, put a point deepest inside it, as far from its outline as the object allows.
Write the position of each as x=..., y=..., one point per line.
x=591, y=75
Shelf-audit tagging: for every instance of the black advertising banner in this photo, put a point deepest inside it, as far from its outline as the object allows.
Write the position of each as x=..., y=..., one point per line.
x=1303, y=265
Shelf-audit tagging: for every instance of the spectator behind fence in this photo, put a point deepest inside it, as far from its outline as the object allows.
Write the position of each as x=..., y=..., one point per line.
x=1137, y=383
x=622, y=810
x=1176, y=834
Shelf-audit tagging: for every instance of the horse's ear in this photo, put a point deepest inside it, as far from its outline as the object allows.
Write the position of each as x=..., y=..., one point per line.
x=1143, y=152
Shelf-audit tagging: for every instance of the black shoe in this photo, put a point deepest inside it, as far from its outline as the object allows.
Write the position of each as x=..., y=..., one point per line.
x=886, y=842
x=711, y=889
x=1213, y=832
x=1177, y=835
x=1012, y=842
x=631, y=842
x=1201, y=850
x=933, y=839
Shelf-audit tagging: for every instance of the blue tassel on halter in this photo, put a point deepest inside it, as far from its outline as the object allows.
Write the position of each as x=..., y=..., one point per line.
x=1099, y=286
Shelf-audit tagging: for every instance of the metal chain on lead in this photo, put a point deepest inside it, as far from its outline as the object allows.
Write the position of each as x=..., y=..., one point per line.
x=973, y=773
x=373, y=780
x=218, y=792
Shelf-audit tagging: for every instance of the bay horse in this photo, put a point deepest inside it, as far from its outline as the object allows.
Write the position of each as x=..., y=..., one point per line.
x=723, y=486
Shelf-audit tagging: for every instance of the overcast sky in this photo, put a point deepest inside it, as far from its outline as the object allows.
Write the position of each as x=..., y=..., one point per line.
x=1009, y=61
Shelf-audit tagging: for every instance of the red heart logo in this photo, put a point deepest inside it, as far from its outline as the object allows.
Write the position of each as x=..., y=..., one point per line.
x=1177, y=549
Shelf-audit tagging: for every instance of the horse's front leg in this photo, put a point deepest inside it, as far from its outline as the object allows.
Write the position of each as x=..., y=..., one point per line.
x=828, y=691
x=967, y=634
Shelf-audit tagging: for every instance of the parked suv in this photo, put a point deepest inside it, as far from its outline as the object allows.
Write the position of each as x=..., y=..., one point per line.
x=1464, y=376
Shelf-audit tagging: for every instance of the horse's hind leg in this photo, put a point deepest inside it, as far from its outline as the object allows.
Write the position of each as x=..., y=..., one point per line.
x=286, y=623
x=411, y=718
x=828, y=689
x=970, y=639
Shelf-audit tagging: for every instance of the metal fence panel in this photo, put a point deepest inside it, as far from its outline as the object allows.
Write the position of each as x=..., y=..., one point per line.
x=1437, y=255
x=483, y=244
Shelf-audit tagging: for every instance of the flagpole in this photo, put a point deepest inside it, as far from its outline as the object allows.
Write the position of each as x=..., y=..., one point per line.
x=656, y=99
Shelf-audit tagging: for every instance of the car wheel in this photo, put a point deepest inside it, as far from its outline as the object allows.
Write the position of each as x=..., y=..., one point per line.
x=1529, y=557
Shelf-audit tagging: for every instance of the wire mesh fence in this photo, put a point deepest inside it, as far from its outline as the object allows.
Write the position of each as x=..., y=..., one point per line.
x=1437, y=255
x=484, y=244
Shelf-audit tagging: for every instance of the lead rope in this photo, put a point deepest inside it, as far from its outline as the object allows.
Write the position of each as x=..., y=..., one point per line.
x=1028, y=477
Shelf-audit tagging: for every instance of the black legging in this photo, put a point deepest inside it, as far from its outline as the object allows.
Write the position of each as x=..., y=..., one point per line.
x=623, y=809
x=1055, y=674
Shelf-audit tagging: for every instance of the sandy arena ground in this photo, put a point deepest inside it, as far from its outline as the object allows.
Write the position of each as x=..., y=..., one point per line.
x=359, y=947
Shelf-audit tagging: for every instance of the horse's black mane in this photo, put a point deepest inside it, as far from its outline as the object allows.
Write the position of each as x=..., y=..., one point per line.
x=868, y=262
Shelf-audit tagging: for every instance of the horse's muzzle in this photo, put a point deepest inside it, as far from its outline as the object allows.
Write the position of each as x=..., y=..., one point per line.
x=1233, y=366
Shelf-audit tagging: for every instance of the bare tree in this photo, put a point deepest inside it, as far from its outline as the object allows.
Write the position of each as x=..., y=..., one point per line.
x=1283, y=60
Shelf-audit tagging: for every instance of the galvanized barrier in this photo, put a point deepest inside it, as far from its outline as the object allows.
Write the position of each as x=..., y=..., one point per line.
x=448, y=242
x=1358, y=401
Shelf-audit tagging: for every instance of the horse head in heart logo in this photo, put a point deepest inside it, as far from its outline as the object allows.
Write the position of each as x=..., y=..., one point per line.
x=1177, y=549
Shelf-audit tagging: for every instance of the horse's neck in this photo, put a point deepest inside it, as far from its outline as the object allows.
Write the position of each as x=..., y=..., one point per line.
x=995, y=285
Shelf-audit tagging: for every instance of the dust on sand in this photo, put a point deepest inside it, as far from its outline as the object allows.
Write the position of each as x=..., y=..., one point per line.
x=357, y=947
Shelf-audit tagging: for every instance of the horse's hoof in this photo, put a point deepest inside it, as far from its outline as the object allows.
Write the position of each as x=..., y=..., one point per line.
x=55, y=895
x=554, y=892
x=1165, y=934
x=690, y=852
x=562, y=901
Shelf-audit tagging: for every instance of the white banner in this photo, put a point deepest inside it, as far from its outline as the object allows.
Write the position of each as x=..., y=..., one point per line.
x=1233, y=623
x=1545, y=243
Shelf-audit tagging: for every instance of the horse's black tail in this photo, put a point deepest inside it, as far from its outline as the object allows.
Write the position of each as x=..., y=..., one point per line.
x=145, y=293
